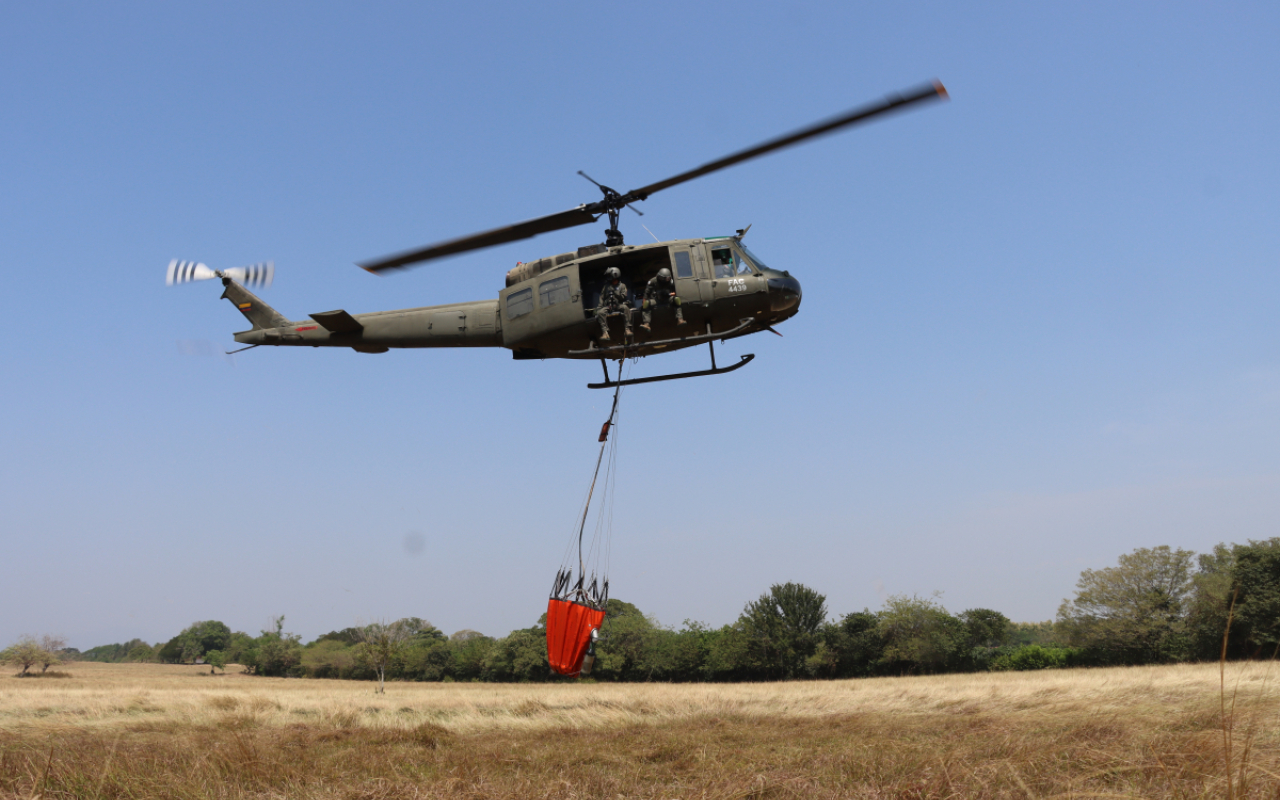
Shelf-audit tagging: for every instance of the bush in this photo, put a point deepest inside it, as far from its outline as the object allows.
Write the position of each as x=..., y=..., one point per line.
x=1033, y=656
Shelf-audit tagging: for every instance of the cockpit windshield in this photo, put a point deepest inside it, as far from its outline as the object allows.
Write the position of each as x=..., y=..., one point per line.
x=752, y=257
x=728, y=263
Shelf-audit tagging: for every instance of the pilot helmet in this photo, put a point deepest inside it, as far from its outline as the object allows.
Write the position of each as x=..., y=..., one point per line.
x=664, y=275
x=613, y=274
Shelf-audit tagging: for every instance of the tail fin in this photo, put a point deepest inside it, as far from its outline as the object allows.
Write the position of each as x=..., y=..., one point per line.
x=256, y=311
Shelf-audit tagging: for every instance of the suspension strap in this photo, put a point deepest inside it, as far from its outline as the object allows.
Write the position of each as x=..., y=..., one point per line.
x=604, y=437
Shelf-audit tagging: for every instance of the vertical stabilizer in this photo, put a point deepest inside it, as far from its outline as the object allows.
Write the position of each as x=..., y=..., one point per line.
x=257, y=312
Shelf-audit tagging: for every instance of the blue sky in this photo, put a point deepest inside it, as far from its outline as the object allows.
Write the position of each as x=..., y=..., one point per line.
x=1039, y=326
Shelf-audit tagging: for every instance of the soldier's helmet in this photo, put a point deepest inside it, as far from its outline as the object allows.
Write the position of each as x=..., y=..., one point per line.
x=664, y=275
x=613, y=274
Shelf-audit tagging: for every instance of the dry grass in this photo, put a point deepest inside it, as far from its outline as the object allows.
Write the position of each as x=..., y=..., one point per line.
x=162, y=731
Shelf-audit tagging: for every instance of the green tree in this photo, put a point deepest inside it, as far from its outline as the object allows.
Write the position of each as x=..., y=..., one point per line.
x=1256, y=593
x=985, y=628
x=381, y=644
x=919, y=635
x=679, y=655
x=24, y=654
x=1211, y=604
x=422, y=630
x=199, y=638
x=274, y=653
x=1040, y=633
x=729, y=654
x=426, y=659
x=469, y=649
x=172, y=651
x=328, y=658
x=1133, y=612
x=216, y=661
x=985, y=632
x=1033, y=656
x=852, y=647
x=625, y=651
x=238, y=649
x=132, y=650
x=277, y=655
x=519, y=657
x=783, y=627
x=139, y=652
x=345, y=636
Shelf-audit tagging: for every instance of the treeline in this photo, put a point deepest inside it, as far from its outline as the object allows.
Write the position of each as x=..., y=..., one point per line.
x=783, y=634
x=1156, y=605
x=1161, y=605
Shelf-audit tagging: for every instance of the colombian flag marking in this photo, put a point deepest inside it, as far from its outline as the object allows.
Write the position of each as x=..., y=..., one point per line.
x=243, y=306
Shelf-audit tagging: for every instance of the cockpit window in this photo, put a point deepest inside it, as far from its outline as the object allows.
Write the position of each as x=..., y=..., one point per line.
x=752, y=257
x=722, y=262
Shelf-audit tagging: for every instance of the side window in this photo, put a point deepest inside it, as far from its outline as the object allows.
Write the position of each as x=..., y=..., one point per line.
x=684, y=267
x=519, y=303
x=722, y=263
x=552, y=292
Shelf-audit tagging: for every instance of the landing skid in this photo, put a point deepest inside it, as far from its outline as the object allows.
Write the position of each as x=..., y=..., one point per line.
x=608, y=384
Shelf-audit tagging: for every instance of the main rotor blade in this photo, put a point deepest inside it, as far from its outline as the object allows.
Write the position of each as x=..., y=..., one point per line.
x=933, y=91
x=510, y=233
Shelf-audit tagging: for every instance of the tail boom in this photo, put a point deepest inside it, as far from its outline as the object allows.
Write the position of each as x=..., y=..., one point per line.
x=473, y=324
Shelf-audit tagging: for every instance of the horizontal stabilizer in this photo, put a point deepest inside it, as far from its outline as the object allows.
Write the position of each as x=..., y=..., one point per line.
x=338, y=321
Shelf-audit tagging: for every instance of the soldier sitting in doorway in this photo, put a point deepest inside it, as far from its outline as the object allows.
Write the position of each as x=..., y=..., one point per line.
x=661, y=291
x=613, y=300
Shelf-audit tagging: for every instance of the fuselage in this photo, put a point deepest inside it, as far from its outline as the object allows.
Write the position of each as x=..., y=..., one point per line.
x=547, y=309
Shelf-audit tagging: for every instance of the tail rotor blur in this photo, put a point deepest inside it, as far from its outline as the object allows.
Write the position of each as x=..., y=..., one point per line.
x=259, y=275
x=186, y=272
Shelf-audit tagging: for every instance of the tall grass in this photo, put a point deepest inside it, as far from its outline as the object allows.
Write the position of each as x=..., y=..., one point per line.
x=128, y=731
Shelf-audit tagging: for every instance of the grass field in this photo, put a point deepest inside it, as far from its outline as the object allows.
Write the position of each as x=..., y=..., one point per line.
x=136, y=730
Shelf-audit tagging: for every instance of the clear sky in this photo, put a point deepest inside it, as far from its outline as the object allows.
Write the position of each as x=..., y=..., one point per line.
x=1040, y=325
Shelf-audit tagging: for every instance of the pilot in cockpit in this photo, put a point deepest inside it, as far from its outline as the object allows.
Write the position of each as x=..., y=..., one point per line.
x=722, y=263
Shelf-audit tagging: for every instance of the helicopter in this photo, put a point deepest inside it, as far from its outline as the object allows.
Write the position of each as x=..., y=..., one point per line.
x=548, y=307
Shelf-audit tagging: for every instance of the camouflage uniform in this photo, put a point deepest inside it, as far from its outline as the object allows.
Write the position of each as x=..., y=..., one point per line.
x=613, y=300
x=660, y=293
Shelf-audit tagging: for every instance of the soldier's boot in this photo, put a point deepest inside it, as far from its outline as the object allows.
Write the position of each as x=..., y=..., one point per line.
x=675, y=301
x=646, y=318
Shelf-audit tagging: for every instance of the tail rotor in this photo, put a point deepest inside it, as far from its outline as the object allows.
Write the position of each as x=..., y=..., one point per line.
x=186, y=272
x=259, y=275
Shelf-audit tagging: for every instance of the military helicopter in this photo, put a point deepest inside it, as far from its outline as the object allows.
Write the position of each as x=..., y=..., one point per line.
x=548, y=307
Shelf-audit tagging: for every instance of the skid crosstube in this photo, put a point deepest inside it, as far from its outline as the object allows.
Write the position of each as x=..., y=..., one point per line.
x=608, y=384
